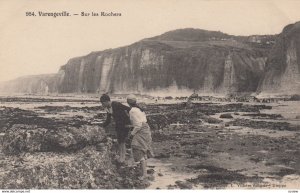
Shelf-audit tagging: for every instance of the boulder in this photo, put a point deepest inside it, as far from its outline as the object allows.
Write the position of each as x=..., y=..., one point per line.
x=30, y=138
x=73, y=138
x=23, y=138
x=226, y=116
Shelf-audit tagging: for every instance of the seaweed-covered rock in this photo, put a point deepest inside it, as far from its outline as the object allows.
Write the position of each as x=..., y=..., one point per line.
x=279, y=126
x=30, y=138
x=85, y=169
x=212, y=120
x=10, y=116
x=295, y=97
x=73, y=138
x=23, y=138
x=184, y=185
x=226, y=116
x=209, y=119
x=157, y=121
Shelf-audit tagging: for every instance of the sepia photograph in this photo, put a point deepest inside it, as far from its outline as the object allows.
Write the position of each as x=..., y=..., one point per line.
x=149, y=95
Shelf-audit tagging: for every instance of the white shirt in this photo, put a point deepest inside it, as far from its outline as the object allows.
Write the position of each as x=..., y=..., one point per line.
x=137, y=117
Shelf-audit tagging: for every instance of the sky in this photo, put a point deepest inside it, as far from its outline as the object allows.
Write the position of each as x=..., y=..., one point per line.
x=40, y=45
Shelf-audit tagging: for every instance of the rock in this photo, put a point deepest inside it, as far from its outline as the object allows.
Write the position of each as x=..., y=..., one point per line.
x=157, y=121
x=100, y=147
x=295, y=97
x=171, y=187
x=281, y=72
x=265, y=124
x=150, y=171
x=145, y=57
x=46, y=170
x=11, y=116
x=150, y=178
x=200, y=114
x=213, y=120
x=162, y=155
x=184, y=185
x=189, y=104
x=74, y=138
x=59, y=140
x=23, y=138
x=30, y=138
x=143, y=106
x=160, y=174
x=226, y=116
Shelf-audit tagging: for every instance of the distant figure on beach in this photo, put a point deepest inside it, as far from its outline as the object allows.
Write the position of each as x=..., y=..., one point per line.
x=141, y=135
x=119, y=112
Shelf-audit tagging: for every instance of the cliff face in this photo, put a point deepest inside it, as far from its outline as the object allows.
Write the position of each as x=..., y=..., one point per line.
x=170, y=65
x=282, y=74
x=36, y=84
x=175, y=63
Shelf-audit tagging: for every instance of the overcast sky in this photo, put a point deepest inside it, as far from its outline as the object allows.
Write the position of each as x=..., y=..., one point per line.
x=39, y=45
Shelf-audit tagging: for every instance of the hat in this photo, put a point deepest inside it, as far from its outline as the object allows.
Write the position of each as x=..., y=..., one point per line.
x=104, y=98
x=131, y=99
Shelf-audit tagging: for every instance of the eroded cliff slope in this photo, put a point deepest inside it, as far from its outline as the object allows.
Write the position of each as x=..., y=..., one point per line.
x=282, y=74
x=181, y=60
x=178, y=62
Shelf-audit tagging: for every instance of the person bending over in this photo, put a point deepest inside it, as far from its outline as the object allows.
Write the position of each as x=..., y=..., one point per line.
x=141, y=135
x=119, y=112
